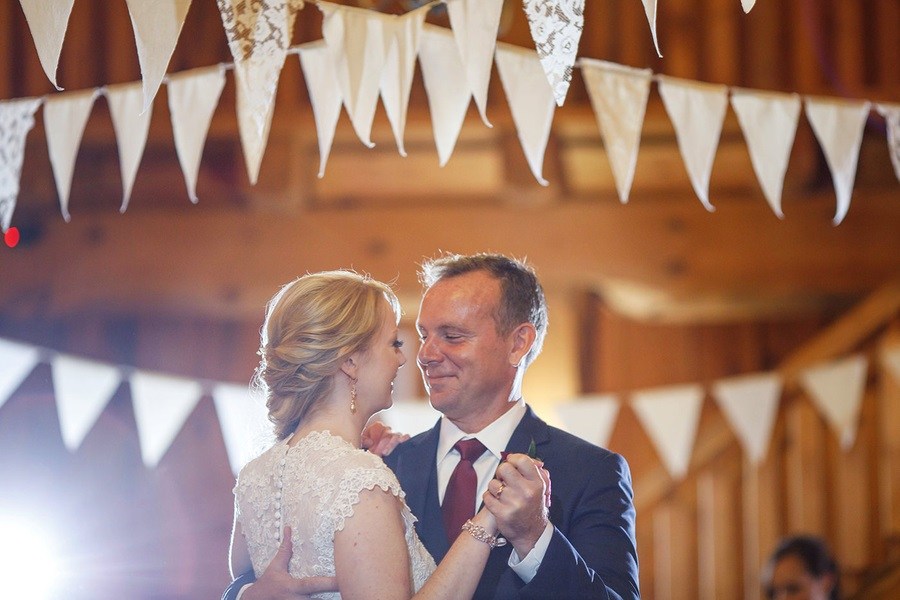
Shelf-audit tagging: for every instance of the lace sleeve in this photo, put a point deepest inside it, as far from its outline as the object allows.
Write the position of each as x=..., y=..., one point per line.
x=353, y=483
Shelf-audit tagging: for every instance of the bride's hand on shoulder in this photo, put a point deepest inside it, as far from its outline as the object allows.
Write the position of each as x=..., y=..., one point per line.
x=379, y=439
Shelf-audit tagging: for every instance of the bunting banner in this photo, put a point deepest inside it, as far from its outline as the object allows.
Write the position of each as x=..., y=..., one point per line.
x=16, y=120
x=324, y=95
x=838, y=125
x=475, y=24
x=82, y=388
x=556, y=27
x=65, y=117
x=48, y=21
x=193, y=98
x=650, y=11
x=18, y=362
x=591, y=418
x=530, y=102
x=891, y=114
x=162, y=404
x=131, y=124
x=769, y=123
x=157, y=25
x=750, y=404
x=444, y=77
x=697, y=111
x=619, y=98
x=670, y=417
x=837, y=390
x=244, y=422
x=748, y=5
x=890, y=358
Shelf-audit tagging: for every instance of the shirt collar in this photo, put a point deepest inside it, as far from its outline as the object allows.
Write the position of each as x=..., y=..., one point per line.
x=495, y=436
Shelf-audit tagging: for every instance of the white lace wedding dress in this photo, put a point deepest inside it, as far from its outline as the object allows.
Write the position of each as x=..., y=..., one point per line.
x=313, y=487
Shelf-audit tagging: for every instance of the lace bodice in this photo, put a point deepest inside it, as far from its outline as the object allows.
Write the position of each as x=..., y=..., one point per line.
x=313, y=487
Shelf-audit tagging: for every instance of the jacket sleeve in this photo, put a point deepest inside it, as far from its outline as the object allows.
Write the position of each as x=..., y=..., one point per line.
x=231, y=592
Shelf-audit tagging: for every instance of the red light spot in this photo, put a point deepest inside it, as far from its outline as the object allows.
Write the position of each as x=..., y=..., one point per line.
x=11, y=237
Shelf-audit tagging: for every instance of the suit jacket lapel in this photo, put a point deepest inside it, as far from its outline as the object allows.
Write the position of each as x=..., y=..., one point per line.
x=420, y=484
x=529, y=428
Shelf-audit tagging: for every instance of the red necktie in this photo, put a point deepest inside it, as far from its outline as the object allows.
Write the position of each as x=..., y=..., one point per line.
x=459, y=499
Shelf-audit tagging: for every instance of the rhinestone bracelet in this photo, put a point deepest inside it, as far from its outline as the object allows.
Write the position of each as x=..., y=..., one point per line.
x=478, y=532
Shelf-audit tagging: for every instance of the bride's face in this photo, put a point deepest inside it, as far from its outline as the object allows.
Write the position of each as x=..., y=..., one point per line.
x=379, y=365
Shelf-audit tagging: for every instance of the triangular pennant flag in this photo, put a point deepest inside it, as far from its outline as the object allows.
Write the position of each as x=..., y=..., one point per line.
x=244, y=422
x=448, y=93
x=530, y=101
x=157, y=25
x=769, y=123
x=400, y=65
x=16, y=120
x=650, y=11
x=65, y=116
x=748, y=5
x=891, y=360
x=17, y=360
x=750, y=403
x=697, y=111
x=162, y=404
x=838, y=125
x=556, y=28
x=591, y=418
x=837, y=389
x=475, y=24
x=891, y=114
x=324, y=95
x=82, y=388
x=193, y=98
x=48, y=20
x=670, y=416
x=132, y=124
x=619, y=98
x=410, y=416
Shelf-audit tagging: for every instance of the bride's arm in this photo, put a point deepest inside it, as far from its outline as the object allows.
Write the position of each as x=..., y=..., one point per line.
x=239, y=557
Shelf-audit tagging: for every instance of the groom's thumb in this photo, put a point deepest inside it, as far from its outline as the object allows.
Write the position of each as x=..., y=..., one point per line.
x=282, y=558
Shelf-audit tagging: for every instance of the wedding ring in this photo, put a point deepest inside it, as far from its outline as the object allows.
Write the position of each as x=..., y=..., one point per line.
x=500, y=489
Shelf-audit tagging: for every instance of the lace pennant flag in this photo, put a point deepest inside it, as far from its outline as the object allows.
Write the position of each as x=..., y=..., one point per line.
x=157, y=25
x=324, y=94
x=650, y=11
x=697, y=111
x=838, y=125
x=193, y=98
x=82, y=388
x=18, y=361
x=591, y=418
x=556, y=27
x=162, y=404
x=132, y=124
x=244, y=422
x=891, y=360
x=530, y=100
x=65, y=116
x=837, y=390
x=619, y=98
x=891, y=114
x=16, y=120
x=748, y=5
x=444, y=76
x=670, y=416
x=769, y=123
x=475, y=24
x=750, y=403
x=396, y=79
x=48, y=21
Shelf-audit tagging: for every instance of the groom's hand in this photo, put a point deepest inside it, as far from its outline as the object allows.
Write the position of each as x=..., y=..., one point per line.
x=521, y=506
x=276, y=583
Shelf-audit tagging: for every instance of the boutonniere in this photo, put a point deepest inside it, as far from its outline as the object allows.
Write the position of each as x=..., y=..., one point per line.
x=531, y=452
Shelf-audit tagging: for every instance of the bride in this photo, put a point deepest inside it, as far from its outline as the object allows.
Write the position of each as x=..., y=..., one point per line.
x=328, y=357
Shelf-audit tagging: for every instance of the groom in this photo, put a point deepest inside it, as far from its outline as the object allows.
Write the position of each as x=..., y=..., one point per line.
x=482, y=322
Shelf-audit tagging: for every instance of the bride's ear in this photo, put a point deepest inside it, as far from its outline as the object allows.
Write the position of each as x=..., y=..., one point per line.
x=350, y=366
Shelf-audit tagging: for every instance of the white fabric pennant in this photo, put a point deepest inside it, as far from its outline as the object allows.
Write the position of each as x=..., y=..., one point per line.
x=444, y=76
x=475, y=24
x=65, y=116
x=650, y=11
x=891, y=360
x=324, y=95
x=670, y=416
x=891, y=114
x=769, y=122
x=132, y=124
x=750, y=403
x=82, y=388
x=591, y=418
x=400, y=64
x=244, y=423
x=48, y=21
x=193, y=98
x=697, y=111
x=162, y=404
x=16, y=120
x=837, y=389
x=747, y=5
x=838, y=125
x=410, y=416
x=619, y=98
x=16, y=362
x=556, y=28
x=530, y=101
x=157, y=25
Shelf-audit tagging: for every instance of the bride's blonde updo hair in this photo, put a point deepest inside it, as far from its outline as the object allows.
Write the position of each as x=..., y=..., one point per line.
x=312, y=325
